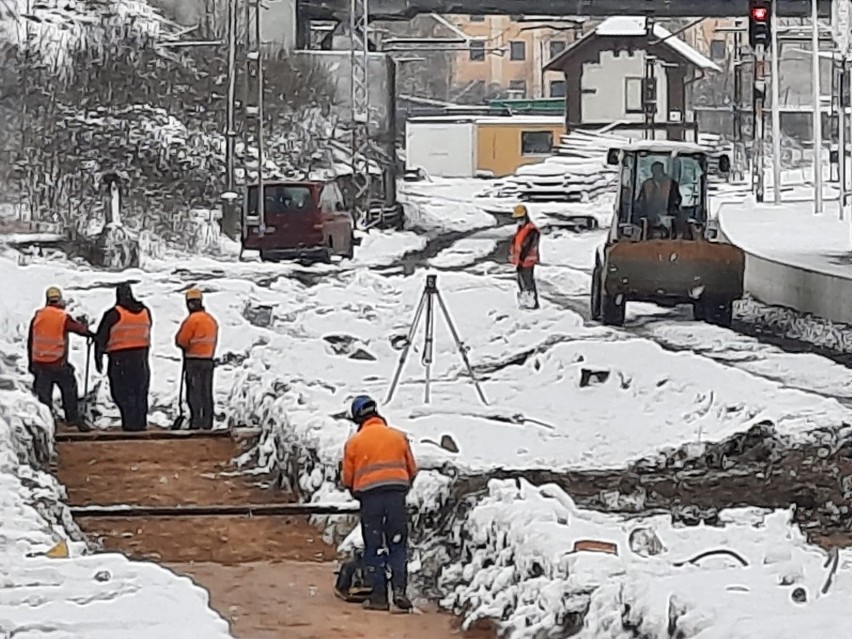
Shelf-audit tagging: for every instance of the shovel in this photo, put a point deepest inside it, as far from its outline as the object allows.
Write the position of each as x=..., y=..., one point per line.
x=83, y=403
x=180, y=419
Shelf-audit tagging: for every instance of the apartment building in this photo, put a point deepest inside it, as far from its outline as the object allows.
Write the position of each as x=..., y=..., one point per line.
x=510, y=58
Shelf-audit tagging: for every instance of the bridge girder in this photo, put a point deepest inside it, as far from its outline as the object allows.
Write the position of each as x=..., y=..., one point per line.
x=407, y=9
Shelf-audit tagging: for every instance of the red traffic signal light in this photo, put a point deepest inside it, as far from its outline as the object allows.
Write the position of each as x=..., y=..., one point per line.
x=761, y=14
x=759, y=27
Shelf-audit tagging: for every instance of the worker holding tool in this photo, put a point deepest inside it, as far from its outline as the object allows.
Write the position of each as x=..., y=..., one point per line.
x=47, y=351
x=378, y=468
x=197, y=339
x=523, y=253
x=124, y=336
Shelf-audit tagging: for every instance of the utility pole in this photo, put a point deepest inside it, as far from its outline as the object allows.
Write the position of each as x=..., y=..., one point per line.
x=776, y=109
x=230, y=132
x=759, y=35
x=759, y=135
x=739, y=156
x=254, y=70
x=359, y=20
x=817, y=113
x=649, y=96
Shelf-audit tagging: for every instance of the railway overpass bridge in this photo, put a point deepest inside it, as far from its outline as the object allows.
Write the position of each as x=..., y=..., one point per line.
x=407, y=9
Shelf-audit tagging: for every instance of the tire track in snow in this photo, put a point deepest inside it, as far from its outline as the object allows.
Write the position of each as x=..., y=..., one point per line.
x=650, y=325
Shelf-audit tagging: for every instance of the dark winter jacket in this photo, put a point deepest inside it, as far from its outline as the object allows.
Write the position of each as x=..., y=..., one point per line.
x=126, y=300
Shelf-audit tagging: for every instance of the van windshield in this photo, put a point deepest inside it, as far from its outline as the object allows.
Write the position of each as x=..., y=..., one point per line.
x=281, y=199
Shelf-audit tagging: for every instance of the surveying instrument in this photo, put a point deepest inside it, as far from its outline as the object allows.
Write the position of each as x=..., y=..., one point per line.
x=427, y=303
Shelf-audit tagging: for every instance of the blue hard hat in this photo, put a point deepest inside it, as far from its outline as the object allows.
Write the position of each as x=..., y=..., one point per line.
x=362, y=406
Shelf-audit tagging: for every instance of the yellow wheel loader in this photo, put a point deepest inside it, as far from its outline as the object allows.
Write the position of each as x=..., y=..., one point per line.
x=662, y=246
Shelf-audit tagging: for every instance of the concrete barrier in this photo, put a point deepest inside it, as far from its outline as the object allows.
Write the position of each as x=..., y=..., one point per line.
x=802, y=288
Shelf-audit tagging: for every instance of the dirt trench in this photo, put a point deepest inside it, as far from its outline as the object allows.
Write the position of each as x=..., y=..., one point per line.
x=270, y=576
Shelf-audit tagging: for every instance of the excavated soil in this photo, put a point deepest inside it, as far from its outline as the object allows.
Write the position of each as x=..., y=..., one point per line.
x=227, y=540
x=269, y=576
x=293, y=600
x=175, y=472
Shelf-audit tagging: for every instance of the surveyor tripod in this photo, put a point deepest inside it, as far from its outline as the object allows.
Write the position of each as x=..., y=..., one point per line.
x=427, y=303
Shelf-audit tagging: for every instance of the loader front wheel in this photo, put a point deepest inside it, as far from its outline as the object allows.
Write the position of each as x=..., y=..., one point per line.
x=612, y=312
x=595, y=296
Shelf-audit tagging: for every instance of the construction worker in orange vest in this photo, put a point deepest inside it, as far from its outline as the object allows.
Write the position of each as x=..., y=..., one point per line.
x=47, y=350
x=378, y=468
x=523, y=253
x=197, y=338
x=124, y=336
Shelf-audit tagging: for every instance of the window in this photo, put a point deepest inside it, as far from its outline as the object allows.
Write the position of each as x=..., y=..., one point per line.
x=536, y=142
x=718, y=49
x=473, y=18
x=556, y=47
x=331, y=199
x=477, y=51
x=633, y=95
x=557, y=88
x=651, y=194
x=281, y=199
x=517, y=50
x=519, y=86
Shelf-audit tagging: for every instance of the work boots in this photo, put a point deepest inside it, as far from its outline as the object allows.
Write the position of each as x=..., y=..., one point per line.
x=401, y=602
x=371, y=604
x=80, y=424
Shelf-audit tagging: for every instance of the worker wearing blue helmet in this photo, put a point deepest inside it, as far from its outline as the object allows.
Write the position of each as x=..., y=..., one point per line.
x=378, y=468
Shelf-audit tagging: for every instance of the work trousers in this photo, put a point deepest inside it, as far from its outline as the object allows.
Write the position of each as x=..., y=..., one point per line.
x=129, y=380
x=199, y=392
x=526, y=282
x=49, y=375
x=384, y=525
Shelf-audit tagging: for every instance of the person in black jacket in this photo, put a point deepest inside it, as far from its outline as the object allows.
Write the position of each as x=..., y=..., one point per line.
x=124, y=336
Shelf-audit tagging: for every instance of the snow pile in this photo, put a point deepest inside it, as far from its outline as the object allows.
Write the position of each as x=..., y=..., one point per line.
x=443, y=205
x=518, y=565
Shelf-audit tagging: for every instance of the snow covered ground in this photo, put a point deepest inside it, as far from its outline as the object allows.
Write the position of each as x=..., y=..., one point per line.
x=299, y=342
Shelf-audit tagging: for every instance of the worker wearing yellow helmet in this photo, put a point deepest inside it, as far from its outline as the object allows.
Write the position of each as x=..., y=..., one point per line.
x=47, y=351
x=523, y=254
x=197, y=338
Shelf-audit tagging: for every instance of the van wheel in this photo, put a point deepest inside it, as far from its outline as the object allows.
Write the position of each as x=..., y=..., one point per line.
x=612, y=313
x=595, y=296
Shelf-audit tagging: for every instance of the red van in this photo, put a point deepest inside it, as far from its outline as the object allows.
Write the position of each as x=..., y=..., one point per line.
x=302, y=220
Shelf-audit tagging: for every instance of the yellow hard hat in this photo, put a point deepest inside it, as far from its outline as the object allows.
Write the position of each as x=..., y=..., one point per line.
x=193, y=294
x=53, y=294
x=520, y=210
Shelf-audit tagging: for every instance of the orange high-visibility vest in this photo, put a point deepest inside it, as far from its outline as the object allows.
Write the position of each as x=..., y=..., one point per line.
x=50, y=341
x=531, y=258
x=198, y=335
x=132, y=330
x=377, y=456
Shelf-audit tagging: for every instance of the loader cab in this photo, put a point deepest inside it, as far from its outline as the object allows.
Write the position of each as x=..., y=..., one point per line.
x=662, y=191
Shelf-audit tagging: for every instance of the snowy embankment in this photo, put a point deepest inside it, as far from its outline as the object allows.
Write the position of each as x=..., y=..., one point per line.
x=520, y=565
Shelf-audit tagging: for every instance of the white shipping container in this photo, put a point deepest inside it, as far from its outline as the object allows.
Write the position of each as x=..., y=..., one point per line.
x=441, y=148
